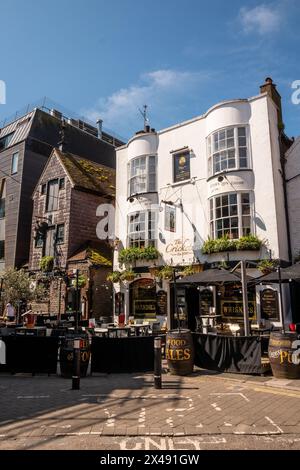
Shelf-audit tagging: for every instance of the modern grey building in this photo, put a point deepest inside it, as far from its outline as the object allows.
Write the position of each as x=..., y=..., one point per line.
x=25, y=145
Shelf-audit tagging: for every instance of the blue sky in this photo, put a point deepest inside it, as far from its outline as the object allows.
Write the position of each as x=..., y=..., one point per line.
x=107, y=58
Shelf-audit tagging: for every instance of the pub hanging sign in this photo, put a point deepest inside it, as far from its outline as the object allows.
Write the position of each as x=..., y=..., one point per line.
x=181, y=166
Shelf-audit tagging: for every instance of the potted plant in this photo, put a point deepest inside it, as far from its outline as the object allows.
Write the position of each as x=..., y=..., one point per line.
x=266, y=266
x=82, y=280
x=114, y=277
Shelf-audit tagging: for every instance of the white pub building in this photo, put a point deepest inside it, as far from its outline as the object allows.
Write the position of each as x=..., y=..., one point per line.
x=207, y=192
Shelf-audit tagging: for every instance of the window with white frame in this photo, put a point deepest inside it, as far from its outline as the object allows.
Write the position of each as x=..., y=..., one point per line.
x=142, y=175
x=142, y=229
x=230, y=215
x=227, y=150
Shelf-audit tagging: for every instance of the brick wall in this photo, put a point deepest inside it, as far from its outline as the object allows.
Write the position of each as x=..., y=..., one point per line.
x=83, y=219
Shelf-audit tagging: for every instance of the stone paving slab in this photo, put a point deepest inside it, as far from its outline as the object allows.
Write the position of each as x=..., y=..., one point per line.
x=127, y=405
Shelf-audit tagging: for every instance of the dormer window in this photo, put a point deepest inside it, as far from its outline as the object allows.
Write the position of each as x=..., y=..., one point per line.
x=142, y=175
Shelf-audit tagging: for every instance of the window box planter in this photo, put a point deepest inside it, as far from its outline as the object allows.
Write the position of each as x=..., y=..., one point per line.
x=131, y=255
x=247, y=243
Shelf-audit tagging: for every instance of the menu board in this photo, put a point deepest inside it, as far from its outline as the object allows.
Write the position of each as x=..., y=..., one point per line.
x=161, y=299
x=206, y=301
x=269, y=307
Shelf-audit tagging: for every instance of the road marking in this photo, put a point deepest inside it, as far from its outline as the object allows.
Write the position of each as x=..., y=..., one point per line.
x=169, y=421
x=231, y=393
x=279, y=430
x=165, y=443
x=216, y=407
x=110, y=418
x=33, y=396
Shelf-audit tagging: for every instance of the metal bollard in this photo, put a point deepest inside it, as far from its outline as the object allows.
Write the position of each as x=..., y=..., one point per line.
x=157, y=362
x=76, y=365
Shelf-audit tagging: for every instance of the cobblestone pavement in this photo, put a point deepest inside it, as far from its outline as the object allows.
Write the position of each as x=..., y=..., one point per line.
x=110, y=411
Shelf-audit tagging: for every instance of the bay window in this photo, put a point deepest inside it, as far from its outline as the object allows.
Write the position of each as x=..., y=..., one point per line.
x=227, y=150
x=142, y=175
x=142, y=229
x=230, y=215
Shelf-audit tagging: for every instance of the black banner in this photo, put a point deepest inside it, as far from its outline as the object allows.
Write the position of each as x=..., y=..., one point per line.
x=30, y=354
x=240, y=354
x=115, y=355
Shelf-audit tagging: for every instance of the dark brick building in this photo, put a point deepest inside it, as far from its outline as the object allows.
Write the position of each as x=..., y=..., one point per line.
x=64, y=223
x=25, y=146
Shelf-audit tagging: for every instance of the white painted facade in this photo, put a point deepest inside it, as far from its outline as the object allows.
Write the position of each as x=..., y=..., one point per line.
x=261, y=180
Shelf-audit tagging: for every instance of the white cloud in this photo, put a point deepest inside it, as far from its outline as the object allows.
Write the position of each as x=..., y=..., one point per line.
x=158, y=89
x=262, y=18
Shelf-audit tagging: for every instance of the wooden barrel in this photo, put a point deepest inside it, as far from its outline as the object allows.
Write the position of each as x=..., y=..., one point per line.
x=180, y=352
x=283, y=355
x=66, y=356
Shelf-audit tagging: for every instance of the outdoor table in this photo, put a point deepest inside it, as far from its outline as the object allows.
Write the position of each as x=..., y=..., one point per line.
x=101, y=332
x=118, y=331
x=37, y=331
x=260, y=331
x=140, y=330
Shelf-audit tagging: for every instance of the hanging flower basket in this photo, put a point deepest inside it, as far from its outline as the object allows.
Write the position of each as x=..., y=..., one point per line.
x=166, y=273
x=127, y=275
x=114, y=277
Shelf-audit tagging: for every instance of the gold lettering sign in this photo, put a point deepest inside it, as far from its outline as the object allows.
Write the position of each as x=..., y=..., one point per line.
x=179, y=247
x=234, y=308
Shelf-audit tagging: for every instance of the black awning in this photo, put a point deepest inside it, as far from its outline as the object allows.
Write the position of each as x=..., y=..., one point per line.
x=289, y=273
x=211, y=277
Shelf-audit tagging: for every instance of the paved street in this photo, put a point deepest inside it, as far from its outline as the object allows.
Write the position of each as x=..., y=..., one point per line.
x=124, y=411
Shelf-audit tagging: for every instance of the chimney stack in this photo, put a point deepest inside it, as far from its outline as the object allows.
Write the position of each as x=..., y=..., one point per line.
x=270, y=88
x=99, y=125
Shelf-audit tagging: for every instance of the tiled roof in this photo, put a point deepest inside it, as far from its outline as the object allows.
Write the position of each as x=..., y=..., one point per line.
x=88, y=175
